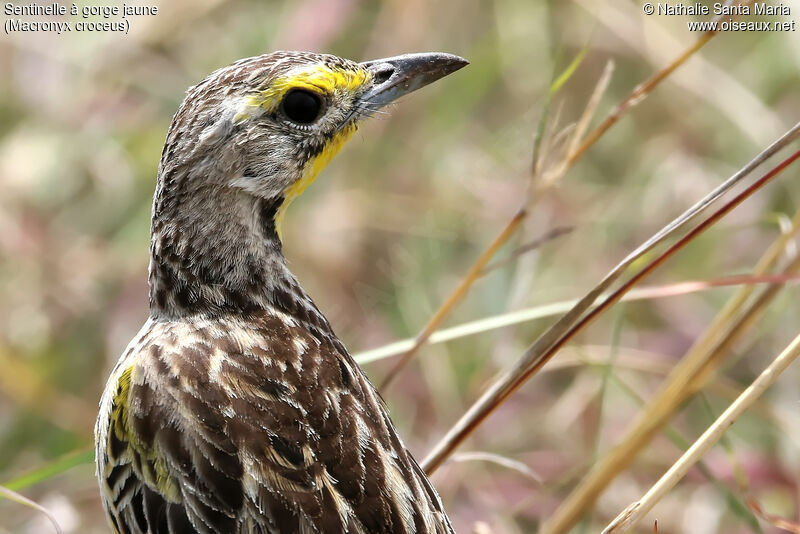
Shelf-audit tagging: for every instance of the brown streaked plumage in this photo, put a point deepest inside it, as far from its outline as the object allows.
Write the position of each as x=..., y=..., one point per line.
x=236, y=409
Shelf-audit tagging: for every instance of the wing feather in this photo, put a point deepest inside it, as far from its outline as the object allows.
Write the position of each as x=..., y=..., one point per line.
x=260, y=427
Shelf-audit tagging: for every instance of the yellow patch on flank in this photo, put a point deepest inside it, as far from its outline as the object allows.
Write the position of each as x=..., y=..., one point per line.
x=118, y=420
x=312, y=170
x=154, y=468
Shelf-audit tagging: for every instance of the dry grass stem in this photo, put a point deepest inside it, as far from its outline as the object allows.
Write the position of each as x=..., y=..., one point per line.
x=554, y=173
x=551, y=235
x=473, y=274
x=772, y=519
x=508, y=463
x=637, y=95
x=704, y=356
x=574, y=320
x=526, y=315
x=636, y=511
x=20, y=499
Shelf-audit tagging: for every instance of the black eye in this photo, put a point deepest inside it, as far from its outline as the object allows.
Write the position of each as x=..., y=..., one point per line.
x=302, y=107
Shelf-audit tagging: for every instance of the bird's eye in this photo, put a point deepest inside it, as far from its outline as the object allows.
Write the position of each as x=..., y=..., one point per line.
x=302, y=107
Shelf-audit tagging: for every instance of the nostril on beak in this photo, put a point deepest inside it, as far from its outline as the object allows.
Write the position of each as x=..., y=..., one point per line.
x=383, y=73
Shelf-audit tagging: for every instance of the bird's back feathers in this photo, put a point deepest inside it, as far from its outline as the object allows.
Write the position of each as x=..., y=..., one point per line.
x=256, y=425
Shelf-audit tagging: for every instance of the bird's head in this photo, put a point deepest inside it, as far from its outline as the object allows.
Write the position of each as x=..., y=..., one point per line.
x=267, y=125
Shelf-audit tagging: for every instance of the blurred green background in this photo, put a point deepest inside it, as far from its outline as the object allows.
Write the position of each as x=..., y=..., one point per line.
x=388, y=230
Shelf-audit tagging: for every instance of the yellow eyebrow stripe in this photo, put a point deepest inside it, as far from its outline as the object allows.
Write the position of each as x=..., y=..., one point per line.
x=319, y=78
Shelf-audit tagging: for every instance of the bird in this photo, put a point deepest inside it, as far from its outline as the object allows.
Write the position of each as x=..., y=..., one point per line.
x=236, y=409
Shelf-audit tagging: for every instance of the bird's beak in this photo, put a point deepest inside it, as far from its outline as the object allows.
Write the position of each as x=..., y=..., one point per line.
x=394, y=77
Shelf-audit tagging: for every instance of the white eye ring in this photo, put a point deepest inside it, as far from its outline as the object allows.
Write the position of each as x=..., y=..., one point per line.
x=301, y=127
